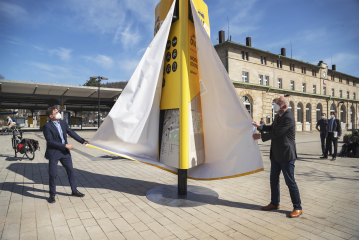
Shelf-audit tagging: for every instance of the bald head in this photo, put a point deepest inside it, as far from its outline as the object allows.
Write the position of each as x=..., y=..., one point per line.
x=283, y=102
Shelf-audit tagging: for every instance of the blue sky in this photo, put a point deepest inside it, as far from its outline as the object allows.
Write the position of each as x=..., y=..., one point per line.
x=69, y=41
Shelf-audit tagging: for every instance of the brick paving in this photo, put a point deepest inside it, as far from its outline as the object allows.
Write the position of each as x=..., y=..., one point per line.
x=116, y=207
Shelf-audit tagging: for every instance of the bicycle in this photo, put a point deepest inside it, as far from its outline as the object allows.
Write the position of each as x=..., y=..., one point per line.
x=22, y=145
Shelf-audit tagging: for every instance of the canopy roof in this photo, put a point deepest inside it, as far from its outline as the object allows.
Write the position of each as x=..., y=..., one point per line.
x=37, y=95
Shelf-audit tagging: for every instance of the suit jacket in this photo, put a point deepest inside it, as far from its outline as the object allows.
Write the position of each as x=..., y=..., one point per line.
x=54, y=145
x=336, y=127
x=282, y=134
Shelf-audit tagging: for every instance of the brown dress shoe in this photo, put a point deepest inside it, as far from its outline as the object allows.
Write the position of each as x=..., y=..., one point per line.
x=295, y=213
x=270, y=207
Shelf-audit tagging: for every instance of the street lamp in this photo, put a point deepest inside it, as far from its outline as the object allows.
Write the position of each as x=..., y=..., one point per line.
x=99, y=82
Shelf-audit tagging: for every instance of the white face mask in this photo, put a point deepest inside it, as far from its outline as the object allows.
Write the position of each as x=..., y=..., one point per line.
x=58, y=116
x=323, y=117
x=276, y=107
x=331, y=116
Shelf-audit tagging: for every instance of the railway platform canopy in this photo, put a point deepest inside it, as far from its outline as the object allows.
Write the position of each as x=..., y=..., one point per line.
x=39, y=96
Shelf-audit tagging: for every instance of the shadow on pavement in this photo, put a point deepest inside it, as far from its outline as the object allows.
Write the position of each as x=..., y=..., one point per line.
x=94, y=180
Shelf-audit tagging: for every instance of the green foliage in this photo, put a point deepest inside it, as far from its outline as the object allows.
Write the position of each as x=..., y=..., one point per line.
x=92, y=82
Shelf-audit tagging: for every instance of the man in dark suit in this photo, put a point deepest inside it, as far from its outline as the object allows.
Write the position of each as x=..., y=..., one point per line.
x=57, y=149
x=283, y=154
x=334, y=131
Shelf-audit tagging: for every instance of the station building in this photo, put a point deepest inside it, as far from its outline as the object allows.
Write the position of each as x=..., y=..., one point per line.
x=260, y=77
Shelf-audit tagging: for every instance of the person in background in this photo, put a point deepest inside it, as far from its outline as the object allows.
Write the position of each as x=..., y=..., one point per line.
x=283, y=154
x=334, y=131
x=262, y=122
x=10, y=122
x=323, y=124
x=57, y=149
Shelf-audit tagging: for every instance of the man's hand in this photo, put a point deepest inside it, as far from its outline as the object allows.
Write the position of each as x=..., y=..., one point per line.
x=86, y=142
x=320, y=132
x=69, y=146
x=256, y=124
x=256, y=136
x=338, y=137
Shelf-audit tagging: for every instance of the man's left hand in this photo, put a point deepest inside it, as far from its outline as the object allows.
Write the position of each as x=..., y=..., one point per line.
x=86, y=142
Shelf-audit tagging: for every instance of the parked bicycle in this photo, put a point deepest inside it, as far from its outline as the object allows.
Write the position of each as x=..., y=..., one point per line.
x=24, y=145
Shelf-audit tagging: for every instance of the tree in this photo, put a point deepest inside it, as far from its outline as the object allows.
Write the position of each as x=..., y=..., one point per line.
x=2, y=76
x=92, y=82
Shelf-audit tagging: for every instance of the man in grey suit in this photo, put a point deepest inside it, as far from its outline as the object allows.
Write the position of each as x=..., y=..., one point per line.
x=283, y=154
x=334, y=127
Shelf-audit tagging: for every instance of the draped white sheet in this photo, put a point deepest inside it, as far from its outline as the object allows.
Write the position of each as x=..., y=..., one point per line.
x=131, y=128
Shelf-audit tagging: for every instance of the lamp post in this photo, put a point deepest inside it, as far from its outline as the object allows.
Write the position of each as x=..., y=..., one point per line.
x=99, y=82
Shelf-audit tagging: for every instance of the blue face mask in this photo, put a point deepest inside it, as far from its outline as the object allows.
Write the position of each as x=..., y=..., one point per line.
x=323, y=117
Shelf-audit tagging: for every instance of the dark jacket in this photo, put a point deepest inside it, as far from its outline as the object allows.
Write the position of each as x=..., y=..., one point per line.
x=337, y=127
x=282, y=134
x=54, y=145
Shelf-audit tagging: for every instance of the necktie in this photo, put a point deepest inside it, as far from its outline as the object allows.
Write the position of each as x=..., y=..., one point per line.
x=330, y=126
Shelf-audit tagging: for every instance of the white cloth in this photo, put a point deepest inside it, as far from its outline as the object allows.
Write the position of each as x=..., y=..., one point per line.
x=131, y=128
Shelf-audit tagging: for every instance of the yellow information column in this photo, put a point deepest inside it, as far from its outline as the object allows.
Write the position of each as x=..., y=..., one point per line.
x=181, y=142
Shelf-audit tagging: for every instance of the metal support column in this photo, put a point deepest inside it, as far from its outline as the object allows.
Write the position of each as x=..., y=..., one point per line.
x=182, y=181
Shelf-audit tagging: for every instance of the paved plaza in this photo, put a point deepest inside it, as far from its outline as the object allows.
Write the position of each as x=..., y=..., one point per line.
x=116, y=207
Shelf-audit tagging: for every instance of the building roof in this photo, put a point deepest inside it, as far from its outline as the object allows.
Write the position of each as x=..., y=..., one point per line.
x=340, y=73
x=37, y=95
x=267, y=52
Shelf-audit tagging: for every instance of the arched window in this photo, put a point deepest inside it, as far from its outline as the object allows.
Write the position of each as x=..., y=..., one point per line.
x=307, y=113
x=300, y=113
x=247, y=104
x=319, y=111
x=332, y=108
x=342, y=114
x=290, y=107
x=273, y=112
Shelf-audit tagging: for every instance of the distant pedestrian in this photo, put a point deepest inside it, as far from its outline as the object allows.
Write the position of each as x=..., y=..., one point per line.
x=262, y=122
x=10, y=122
x=334, y=131
x=323, y=124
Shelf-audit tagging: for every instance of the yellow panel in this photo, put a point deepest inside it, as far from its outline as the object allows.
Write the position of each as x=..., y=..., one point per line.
x=29, y=120
x=202, y=11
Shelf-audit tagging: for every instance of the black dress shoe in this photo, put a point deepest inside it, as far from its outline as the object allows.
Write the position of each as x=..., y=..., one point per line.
x=51, y=199
x=333, y=159
x=326, y=157
x=77, y=194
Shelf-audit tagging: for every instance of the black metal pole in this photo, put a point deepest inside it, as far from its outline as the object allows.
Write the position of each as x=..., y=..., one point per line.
x=98, y=118
x=182, y=181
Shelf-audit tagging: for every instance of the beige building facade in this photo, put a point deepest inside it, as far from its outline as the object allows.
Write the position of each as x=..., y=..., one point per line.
x=260, y=77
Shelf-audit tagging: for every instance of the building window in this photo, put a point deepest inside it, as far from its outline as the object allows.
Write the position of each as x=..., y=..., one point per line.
x=354, y=96
x=332, y=77
x=332, y=108
x=292, y=85
x=303, y=87
x=279, y=64
x=314, y=73
x=279, y=83
x=292, y=67
x=342, y=114
x=299, y=113
x=348, y=94
x=247, y=103
x=304, y=70
x=260, y=79
x=290, y=108
x=340, y=79
x=319, y=112
x=247, y=56
x=266, y=80
x=243, y=55
x=324, y=91
x=348, y=81
x=245, y=77
x=307, y=113
x=340, y=93
x=263, y=60
x=314, y=89
x=332, y=92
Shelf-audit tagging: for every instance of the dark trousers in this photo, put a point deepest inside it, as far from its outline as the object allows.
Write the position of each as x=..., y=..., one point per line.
x=66, y=162
x=288, y=172
x=322, y=139
x=331, y=139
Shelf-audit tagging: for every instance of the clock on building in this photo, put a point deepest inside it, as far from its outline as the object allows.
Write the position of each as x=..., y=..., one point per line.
x=324, y=74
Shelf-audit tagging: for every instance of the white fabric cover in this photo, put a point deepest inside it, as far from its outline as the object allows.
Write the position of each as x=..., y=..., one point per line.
x=131, y=128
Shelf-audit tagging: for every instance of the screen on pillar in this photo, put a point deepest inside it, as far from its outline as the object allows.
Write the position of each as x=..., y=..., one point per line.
x=180, y=105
